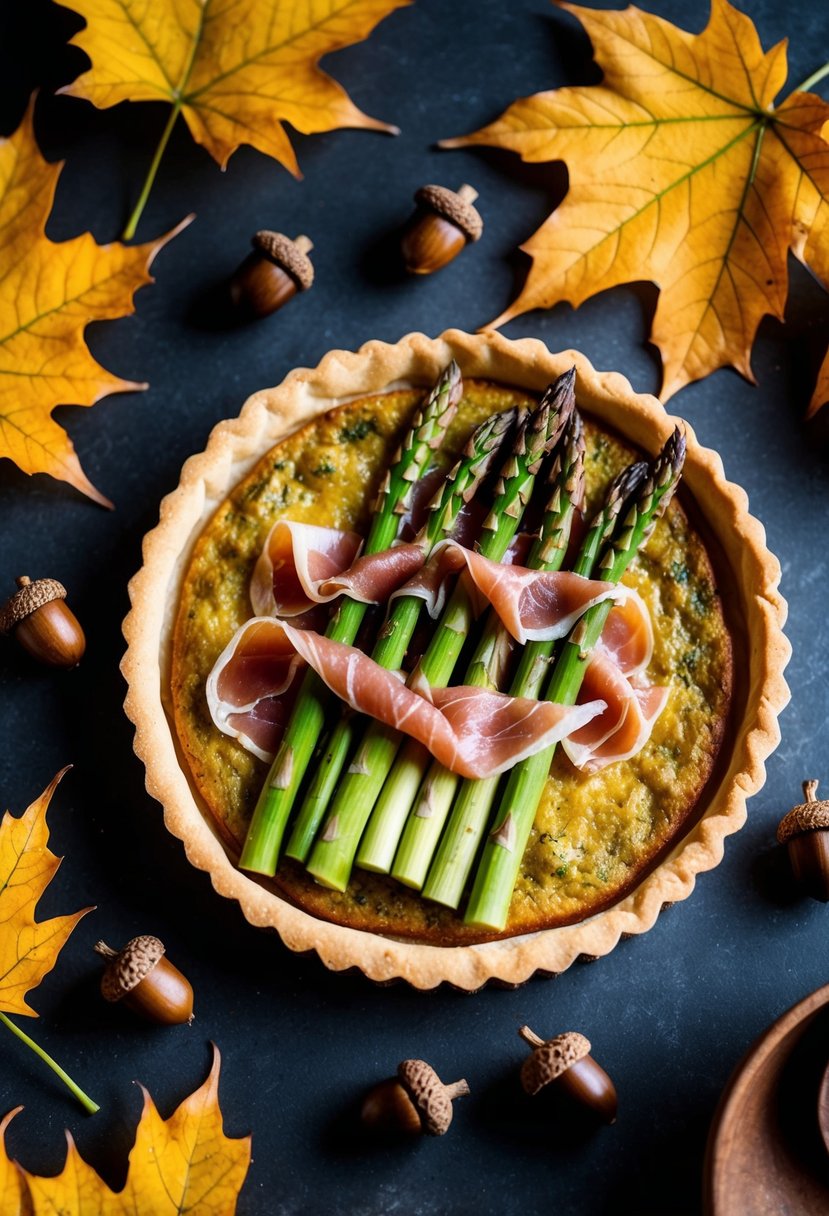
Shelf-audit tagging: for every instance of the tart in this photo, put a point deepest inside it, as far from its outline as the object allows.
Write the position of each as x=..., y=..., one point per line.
x=608, y=849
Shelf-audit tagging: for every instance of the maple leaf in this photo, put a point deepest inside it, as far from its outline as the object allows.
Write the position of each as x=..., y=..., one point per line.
x=820, y=396
x=14, y=1194
x=48, y=293
x=236, y=71
x=183, y=1164
x=28, y=949
x=682, y=171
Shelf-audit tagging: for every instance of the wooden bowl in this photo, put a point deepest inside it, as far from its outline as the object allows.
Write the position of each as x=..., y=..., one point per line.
x=766, y=1155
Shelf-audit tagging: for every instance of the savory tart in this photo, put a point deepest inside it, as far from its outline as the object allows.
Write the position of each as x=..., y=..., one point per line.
x=607, y=848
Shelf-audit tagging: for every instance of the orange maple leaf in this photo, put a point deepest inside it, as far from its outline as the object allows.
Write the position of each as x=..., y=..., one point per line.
x=820, y=396
x=237, y=72
x=49, y=292
x=682, y=171
x=28, y=949
x=183, y=1164
x=14, y=1193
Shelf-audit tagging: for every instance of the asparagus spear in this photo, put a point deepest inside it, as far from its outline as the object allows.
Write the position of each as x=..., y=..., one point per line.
x=421, y=813
x=333, y=854
x=505, y=845
x=261, y=849
x=459, y=488
x=473, y=805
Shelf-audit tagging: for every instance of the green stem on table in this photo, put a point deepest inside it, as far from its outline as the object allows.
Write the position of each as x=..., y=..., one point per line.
x=470, y=814
x=497, y=871
x=412, y=826
x=86, y=1102
x=333, y=854
x=815, y=78
x=264, y=839
x=132, y=222
x=458, y=489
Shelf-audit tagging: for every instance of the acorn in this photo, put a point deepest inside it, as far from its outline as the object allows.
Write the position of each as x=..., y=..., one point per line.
x=414, y=1103
x=271, y=275
x=565, y=1063
x=146, y=981
x=443, y=224
x=805, y=832
x=38, y=617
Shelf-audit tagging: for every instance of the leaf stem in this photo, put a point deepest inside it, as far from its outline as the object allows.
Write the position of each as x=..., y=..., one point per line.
x=86, y=1102
x=812, y=80
x=132, y=222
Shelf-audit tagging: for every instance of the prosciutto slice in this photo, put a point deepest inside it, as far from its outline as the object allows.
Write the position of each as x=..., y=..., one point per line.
x=303, y=564
x=615, y=674
x=533, y=605
x=249, y=689
x=624, y=726
x=473, y=732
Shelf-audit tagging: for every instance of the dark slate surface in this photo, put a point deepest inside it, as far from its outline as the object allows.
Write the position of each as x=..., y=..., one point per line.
x=669, y=1013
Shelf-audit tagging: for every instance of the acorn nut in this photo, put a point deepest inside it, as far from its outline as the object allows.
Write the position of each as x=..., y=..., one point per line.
x=565, y=1063
x=146, y=981
x=444, y=223
x=271, y=275
x=805, y=832
x=38, y=617
x=414, y=1103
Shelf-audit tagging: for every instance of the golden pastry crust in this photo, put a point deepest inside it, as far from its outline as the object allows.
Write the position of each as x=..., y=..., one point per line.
x=593, y=835
x=233, y=450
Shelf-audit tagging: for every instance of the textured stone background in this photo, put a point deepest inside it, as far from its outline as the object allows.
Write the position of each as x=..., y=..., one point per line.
x=669, y=1013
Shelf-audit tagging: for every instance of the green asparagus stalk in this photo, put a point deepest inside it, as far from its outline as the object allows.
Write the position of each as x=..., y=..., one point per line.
x=458, y=489
x=422, y=826
x=333, y=854
x=473, y=806
x=264, y=838
x=504, y=848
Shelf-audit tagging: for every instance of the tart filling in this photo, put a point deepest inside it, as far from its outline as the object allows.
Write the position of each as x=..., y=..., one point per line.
x=595, y=834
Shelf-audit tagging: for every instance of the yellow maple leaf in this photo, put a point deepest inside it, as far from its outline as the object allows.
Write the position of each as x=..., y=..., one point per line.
x=682, y=171
x=183, y=1164
x=236, y=71
x=820, y=396
x=28, y=949
x=14, y=1194
x=49, y=292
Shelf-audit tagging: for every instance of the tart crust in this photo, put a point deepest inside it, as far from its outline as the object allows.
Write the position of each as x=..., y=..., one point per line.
x=757, y=611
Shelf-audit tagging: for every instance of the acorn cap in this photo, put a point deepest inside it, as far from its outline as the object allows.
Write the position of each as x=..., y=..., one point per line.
x=810, y=816
x=453, y=206
x=430, y=1096
x=549, y=1060
x=129, y=966
x=29, y=597
x=288, y=255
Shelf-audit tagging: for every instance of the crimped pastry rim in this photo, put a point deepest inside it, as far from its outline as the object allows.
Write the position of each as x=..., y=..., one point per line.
x=233, y=448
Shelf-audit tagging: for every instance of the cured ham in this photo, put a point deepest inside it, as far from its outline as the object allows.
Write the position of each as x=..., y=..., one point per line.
x=473, y=732
x=249, y=690
x=624, y=726
x=615, y=674
x=303, y=564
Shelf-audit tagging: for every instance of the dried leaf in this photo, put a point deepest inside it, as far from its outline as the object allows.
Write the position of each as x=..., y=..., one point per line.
x=28, y=949
x=820, y=396
x=48, y=294
x=14, y=1195
x=75, y=1191
x=182, y=1164
x=187, y=1164
x=236, y=71
x=683, y=172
